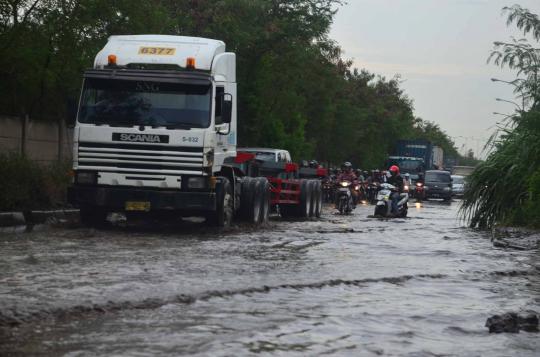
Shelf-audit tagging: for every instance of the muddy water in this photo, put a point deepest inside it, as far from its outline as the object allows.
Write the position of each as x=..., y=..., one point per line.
x=349, y=285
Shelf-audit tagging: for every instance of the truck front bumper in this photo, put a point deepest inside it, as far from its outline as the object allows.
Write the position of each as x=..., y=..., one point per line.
x=117, y=197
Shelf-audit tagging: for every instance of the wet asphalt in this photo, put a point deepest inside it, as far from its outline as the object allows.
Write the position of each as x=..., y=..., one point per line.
x=343, y=285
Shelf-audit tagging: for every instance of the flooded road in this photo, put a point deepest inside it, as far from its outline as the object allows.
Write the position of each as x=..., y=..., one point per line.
x=345, y=285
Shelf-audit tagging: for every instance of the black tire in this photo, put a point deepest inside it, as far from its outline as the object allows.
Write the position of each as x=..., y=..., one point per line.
x=264, y=192
x=380, y=211
x=304, y=208
x=93, y=216
x=251, y=200
x=313, y=194
x=319, y=201
x=342, y=205
x=403, y=213
x=223, y=215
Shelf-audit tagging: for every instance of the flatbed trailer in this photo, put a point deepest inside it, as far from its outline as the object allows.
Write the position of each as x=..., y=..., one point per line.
x=290, y=194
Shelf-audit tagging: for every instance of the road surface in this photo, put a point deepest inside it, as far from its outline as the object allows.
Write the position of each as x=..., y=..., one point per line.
x=345, y=285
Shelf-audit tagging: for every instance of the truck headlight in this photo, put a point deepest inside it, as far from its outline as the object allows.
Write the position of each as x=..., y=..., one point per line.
x=86, y=178
x=196, y=182
x=447, y=188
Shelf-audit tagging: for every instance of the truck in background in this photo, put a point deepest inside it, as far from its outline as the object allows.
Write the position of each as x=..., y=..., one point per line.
x=156, y=132
x=415, y=156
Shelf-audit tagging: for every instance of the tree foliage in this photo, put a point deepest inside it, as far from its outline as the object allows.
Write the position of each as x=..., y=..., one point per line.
x=295, y=91
x=505, y=188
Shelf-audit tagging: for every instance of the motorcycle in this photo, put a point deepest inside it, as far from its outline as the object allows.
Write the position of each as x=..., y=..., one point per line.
x=383, y=207
x=328, y=192
x=344, y=197
x=419, y=192
x=371, y=192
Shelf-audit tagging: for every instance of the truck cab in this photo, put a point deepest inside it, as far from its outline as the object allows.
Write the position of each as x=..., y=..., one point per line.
x=155, y=123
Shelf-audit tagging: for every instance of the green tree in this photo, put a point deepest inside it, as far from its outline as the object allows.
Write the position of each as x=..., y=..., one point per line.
x=503, y=189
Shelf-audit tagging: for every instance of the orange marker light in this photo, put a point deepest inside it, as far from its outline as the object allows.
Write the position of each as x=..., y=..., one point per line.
x=112, y=60
x=190, y=63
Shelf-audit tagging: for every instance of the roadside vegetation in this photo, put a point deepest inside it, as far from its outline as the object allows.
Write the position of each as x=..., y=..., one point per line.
x=296, y=91
x=25, y=185
x=505, y=189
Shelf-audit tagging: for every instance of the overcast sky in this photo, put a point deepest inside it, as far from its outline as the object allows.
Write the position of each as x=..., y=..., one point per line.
x=440, y=48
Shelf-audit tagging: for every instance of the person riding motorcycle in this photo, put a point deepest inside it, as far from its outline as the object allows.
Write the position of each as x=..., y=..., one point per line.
x=347, y=174
x=395, y=180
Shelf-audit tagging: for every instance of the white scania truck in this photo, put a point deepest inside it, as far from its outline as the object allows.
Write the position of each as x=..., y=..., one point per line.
x=156, y=131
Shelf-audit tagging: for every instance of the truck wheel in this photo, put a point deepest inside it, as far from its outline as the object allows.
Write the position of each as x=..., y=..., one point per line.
x=251, y=200
x=313, y=196
x=304, y=208
x=319, y=199
x=93, y=216
x=264, y=192
x=223, y=215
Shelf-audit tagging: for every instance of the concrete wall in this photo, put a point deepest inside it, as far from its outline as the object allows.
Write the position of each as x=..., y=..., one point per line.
x=43, y=142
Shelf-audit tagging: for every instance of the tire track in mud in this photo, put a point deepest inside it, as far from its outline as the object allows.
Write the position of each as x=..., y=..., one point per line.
x=15, y=318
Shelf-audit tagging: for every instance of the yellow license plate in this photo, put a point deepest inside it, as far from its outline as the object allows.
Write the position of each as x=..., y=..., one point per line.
x=160, y=51
x=137, y=206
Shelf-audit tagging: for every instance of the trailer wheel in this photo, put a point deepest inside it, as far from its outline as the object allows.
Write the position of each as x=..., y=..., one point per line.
x=223, y=215
x=304, y=208
x=313, y=194
x=264, y=192
x=92, y=216
x=251, y=200
x=319, y=199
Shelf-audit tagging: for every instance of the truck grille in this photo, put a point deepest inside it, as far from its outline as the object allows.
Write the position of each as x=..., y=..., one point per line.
x=142, y=158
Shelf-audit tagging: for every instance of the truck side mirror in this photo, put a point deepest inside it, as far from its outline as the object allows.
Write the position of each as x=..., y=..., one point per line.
x=226, y=108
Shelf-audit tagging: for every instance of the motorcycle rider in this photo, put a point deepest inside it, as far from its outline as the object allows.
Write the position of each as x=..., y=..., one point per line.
x=347, y=174
x=395, y=180
x=420, y=178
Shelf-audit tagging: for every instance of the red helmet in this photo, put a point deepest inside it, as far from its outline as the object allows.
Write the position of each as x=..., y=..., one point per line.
x=394, y=169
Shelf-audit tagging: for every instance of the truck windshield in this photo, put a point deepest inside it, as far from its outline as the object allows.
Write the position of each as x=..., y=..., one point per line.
x=128, y=103
x=407, y=166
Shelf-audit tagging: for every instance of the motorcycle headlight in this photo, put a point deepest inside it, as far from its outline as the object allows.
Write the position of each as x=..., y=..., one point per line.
x=419, y=184
x=356, y=187
x=344, y=184
x=406, y=188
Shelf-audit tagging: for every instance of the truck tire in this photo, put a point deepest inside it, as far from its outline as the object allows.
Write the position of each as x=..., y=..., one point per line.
x=93, y=217
x=304, y=208
x=264, y=191
x=319, y=199
x=223, y=215
x=313, y=189
x=251, y=200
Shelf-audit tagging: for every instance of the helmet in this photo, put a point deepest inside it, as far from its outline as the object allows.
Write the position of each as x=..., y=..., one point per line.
x=394, y=169
x=407, y=175
x=346, y=166
x=314, y=164
x=365, y=173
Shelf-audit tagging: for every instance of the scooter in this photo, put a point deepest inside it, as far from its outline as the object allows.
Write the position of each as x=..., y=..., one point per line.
x=383, y=207
x=344, y=199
